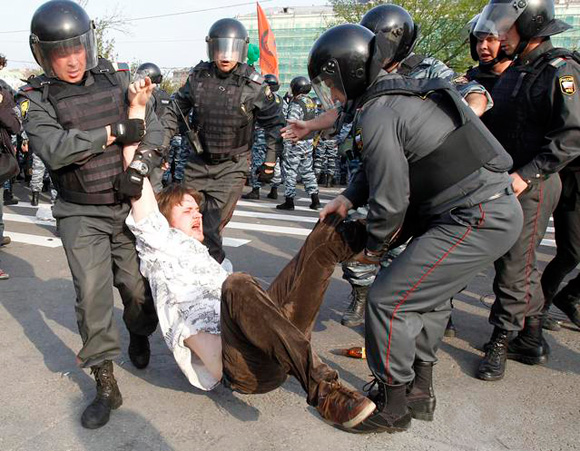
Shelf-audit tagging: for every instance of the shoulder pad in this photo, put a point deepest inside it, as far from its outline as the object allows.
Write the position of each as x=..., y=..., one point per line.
x=557, y=62
x=202, y=65
x=256, y=78
x=121, y=67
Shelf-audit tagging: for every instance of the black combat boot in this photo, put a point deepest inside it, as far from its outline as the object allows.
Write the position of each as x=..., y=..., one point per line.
x=450, y=329
x=529, y=346
x=315, y=205
x=9, y=198
x=492, y=367
x=34, y=199
x=139, y=350
x=273, y=194
x=254, y=194
x=420, y=395
x=569, y=304
x=288, y=205
x=392, y=413
x=354, y=314
x=108, y=397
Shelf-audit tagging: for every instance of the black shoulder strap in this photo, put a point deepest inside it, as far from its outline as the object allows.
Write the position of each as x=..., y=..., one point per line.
x=106, y=68
x=410, y=64
x=414, y=87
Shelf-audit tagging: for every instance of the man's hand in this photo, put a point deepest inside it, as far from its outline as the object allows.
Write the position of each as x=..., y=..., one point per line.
x=339, y=206
x=296, y=130
x=129, y=184
x=128, y=131
x=518, y=184
x=362, y=258
x=140, y=92
x=265, y=172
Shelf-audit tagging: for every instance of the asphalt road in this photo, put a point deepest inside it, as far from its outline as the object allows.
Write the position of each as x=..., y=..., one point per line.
x=43, y=392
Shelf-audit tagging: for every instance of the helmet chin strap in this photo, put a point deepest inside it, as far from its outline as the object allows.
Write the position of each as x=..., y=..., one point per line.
x=519, y=49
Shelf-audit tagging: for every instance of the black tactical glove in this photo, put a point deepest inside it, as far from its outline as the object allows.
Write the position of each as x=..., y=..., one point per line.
x=263, y=176
x=129, y=184
x=129, y=131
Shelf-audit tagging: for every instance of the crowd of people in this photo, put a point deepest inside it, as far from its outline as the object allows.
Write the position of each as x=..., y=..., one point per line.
x=447, y=175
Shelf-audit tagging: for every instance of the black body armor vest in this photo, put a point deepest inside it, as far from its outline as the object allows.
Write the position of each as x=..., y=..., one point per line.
x=468, y=148
x=225, y=124
x=85, y=108
x=162, y=101
x=484, y=78
x=520, y=114
x=308, y=109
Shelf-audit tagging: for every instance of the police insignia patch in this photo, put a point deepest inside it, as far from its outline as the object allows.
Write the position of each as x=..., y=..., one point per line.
x=24, y=108
x=568, y=85
x=358, y=140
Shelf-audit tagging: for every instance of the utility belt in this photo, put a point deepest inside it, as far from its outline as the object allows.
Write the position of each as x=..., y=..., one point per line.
x=217, y=158
x=75, y=197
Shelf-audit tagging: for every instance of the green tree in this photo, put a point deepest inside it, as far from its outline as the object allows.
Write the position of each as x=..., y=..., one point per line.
x=442, y=25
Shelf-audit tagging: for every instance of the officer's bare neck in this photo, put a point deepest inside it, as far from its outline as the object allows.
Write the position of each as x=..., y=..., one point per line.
x=532, y=45
x=499, y=68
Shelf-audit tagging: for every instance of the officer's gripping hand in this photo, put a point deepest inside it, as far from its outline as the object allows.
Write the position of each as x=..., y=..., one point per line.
x=295, y=130
x=337, y=206
x=265, y=173
x=129, y=184
x=129, y=131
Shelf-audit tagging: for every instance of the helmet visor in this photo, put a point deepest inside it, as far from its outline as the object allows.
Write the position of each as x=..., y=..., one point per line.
x=329, y=86
x=227, y=49
x=46, y=52
x=496, y=19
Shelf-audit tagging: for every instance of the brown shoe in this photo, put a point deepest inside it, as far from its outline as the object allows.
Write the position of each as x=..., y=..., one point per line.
x=342, y=406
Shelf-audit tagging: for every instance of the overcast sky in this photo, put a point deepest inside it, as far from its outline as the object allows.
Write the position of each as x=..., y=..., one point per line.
x=176, y=41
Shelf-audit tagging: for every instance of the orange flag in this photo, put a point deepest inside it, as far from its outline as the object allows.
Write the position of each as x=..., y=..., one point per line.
x=268, y=54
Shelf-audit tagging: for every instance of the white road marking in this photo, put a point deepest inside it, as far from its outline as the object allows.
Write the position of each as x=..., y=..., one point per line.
x=27, y=219
x=268, y=229
x=275, y=216
x=36, y=240
x=247, y=203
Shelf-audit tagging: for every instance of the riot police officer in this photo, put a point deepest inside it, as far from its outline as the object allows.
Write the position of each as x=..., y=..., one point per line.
x=259, y=151
x=161, y=98
x=227, y=97
x=430, y=170
x=76, y=116
x=491, y=59
x=297, y=158
x=536, y=117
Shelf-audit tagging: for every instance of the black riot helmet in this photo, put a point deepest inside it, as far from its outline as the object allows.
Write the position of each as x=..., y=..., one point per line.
x=396, y=31
x=272, y=81
x=149, y=70
x=61, y=27
x=339, y=63
x=300, y=85
x=501, y=56
x=532, y=18
x=227, y=40
x=317, y=102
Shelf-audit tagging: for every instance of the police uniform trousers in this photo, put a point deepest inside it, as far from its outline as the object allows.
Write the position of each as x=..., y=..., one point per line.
x=258, y=359
x=517, y=288
x=221, y=186
x=298, y=160
x=101, y=253
x=567, y=233
x=408, y=305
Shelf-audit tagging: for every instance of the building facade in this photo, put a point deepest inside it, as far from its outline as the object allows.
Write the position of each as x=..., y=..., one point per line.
x=295, y=30
x=568, y=11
